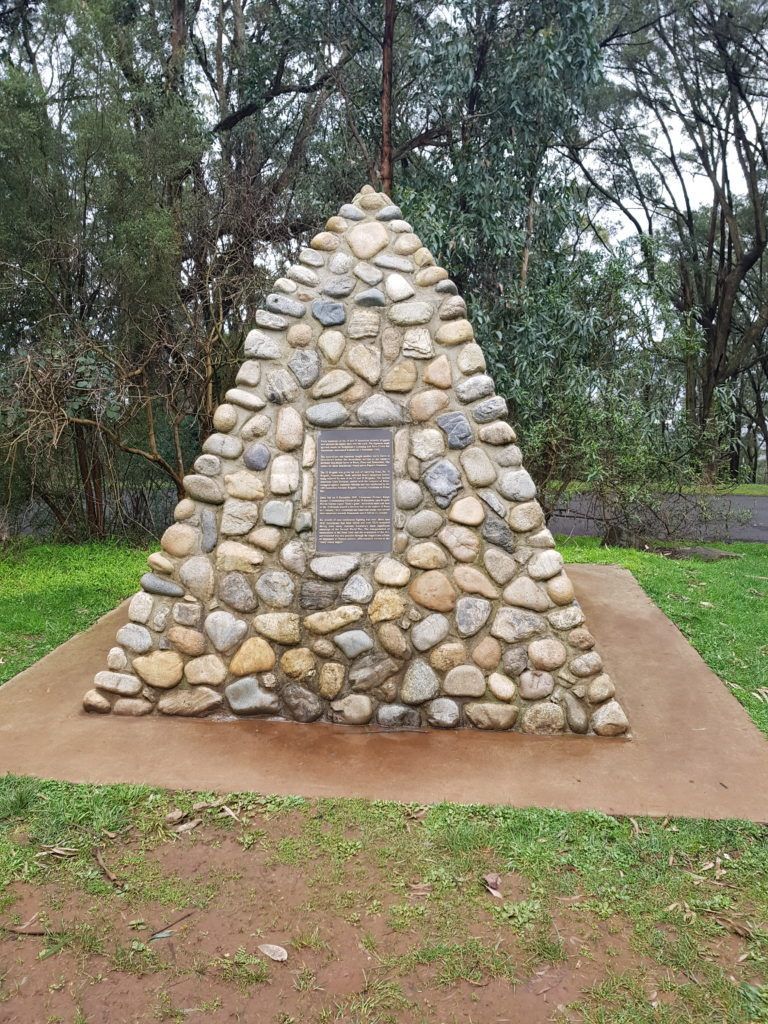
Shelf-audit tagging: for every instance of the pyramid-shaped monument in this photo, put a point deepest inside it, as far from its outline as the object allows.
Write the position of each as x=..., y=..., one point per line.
x=359, y=541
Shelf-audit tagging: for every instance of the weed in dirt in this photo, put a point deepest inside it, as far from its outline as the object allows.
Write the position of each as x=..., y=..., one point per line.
x=470, y=960
x=243, y=969
x=305, y=979
x=137, y=958
x=377, y=1003
x=310, y=940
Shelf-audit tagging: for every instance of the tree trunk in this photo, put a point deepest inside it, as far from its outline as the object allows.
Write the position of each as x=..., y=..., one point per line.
x=91, y=479
x=385, y=172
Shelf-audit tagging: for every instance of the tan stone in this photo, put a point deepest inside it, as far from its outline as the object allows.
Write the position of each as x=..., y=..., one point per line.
x=394, y=640
x=501, y=686
x=366, y=362
x=256, y=426
x=485, y=715
x=423, y=257
x=190, y=703
x=162, y=669
x=448, y=656
x=225, y=418
x=185, y=509
x=430, y=275
x=132, y=707
x=188, y=641
x=433, y=590
x=464, y=544
x=546, y=654
x=289, y=430
x=391, y=342
x=497, y=433
x=600, y=688
x=266, y=537
x=524, y=593
x=407, y=244
x=160, y=563
x=331, y=344
x=426, y=556
x=386, y=604
x=452, y=307
x=209, y=669
x=474, y=581
x=468, y=511
x=329, y=621
x=581, y=639
x=325, y=242
x=255, y=655
x=438, y=373
x=426, y=404
x=401, y=377
x=298, y=663
x=454, y=332
x=560, y=589
x=95, y=701
x=478, y=467
x=364, y=323
x=408, y=314
x=331, y=680
x=391, y=573
x=179, y=540
x=464, y=681
x=333, y=383
x=282, y=627
x=524, y=517
x=336, y=224
x=487, y=653
x=244, y=485
x=471, y=359
x=299, y=335
x=367, y=238
x=233, y=556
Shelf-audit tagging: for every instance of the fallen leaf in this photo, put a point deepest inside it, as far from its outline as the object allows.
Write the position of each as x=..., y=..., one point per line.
x=187, y=826
x=492, y=883
x=419, y=890
x=274, y=952
x=175, y=816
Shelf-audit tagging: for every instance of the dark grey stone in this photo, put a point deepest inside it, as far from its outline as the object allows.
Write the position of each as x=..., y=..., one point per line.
x=496, y=531
x=235, y=590
x=389, y=213
x=256, y=456
x=305, y=366
x=443, y=480
x=398, y=716
x=351, y=212
x=371, y=297
x=281, y=387
x=208, y=529
x=327, y=414
x=446, y=287
x=277, y=303
x=515, y=661
x=576, y=714
x=339, y=287
x=456, y=428
x=371, y=672
x=491, y=409
x=330, y=314
x=303, y=705
x=246, y=697
x=158, y=585
x=316, y=596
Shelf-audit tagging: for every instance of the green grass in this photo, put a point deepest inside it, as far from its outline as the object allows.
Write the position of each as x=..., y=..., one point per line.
x=49, y=592
x=721, y=607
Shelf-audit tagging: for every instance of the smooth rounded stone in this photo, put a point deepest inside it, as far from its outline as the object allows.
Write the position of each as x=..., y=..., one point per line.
x=420, y=684
x=159, y=563
x=235, y=590
x=463, y=543
x=370, y=297
x=256, y=426
x=525, y=517
x=426, y=556
x=339, y=287
x=140, y=608
x=473, y=581
x=448, y=656
x=136, y=638
x=284, y=284
x=282, y=627
x=128, y=707
x=331, y=344
x=248, y=697
x=560, y=589
x=190, y=703
x=334, y=567
x=233, y=556
x=354, y=642
x=354, y=709
x=271, y=321
x=546, y=654
x=277, y=513
x=162, y=669
x=443, y=713
x=208, y=465
x=283, y=304
x=524, y=593
x=302, y=705
x=238, y=517
x=576, y=713
x=454, y=332
x=566, y=618
x=329, y=621
x=328, y=313
x=315, y=596
x=391, y=573
x=433, y=590
x=304, y=364
x=96, y=703
x=367, y=239
x=407, y=494
x=379, y=411
x=247, y=399
x=208, y=669
x=256, y=456
x=542, y=539
x=116, y=659
x=284, y=475
x=303, y=275
x=467, y=511
x=545, y=718
x=489, y=409
x=185, y=509
x=443, y=481
x=259, y=345
x=225, y=417
x=464, y=681
x=406, y=243
x=340, y=263
x=248, y=376
x=535, y=685
x=204, y=488
x=499, y=565
x=327, y=414
x=514, y=660
x=390, y=212
x=452, y=308
x=501, y=686
x=391, y=261
x=244, y=485
x=275, y=588
x=430, y=275
x=472, y=613
x=331, y=679
x=487, y=653
x=509, y=455
x=424, y=524
x=368, y=274
x=365, y=361
x=475, y=387
x=357, y=589
x=429, y=632
x=188, y=641
x=609, y=719
x=121, y=683
x=586, y=664
x=517, y=485
x=280, y=387
x=325, y=241
x=545, y=564
x=497, y=433
x=478, y=467
x=438, y=373
x=495, y=531
x=581, y=639
x=600, y=688
x=493, y=501
x=393, y=640
x=370, y=672
x=398, y=288
x=311, y=258
x=487, y=715
x=427, y=443
x=350, y=212
x=424, y=405
x=386, y=605
x=397, y=716
x=401, y=377
x=224, y=630
x=187, y=613
x=470, y=359
x=408, y=314
x=300, y=335
x=515, y=624
x=298, y=663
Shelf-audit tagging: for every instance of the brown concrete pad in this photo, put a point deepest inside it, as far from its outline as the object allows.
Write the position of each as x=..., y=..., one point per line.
x=694, y=749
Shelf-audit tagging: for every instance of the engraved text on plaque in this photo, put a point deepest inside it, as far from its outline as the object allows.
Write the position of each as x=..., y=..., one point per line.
x=354, y=490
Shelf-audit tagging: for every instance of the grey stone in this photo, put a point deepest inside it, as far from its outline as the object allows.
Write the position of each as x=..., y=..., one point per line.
x=370, y=672
x=354, y=709
x=303, y=705
x=446, y=287
x=514, y=660
x=517, y=485
x=354, y=642
x=430, y=631
x=328, y=313
x=424, y=524
x=443, y=713
x=339, y=287
x=420, y=684
x=316, y=596
x=247, y=697
x=208, y=465
x=224, y=630
x=371, y=297
x=443, y=480
x=158, y=585
x=187, y=613
x=576, y=714
x=357, y=589
x=136, y=638
x=259, y=345
x=471, y=615
x=276, y=303
x=305, y=366
x=534, y=685
x=256, y=456
x=490, y=409
x=303, y=522
x=275, y=588
x=496, y=531
x=271, y=321
x=456, y=427
x=140, y=608
x=389, y=213
x=204, y=488
x=509, y=455
x=238, y=517
x=407, y=494
x=398, y=716
x=312, y=257
x=478, y=386
x=197, y=576
x=379, y=411
x=566, y=618
x=303, y=275
x=544, y=718
x=351, y=212
x=280, y=387
x=392, y=262
x=334, y=567
x=368, y=275
x=208, y=529
x=327, y=414
x=608, y=720
x=493, y=501
x=118, y=682
x=515, y=624
x=340, y=263
x=487, y=715
x=277, y=513
x=464, y=681
x=235, y=590
x=293, y=557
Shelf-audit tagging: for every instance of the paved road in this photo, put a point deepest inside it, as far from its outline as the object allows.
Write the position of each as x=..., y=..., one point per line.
x=729, y=517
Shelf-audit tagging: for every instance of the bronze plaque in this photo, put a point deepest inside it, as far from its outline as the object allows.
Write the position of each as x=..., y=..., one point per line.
x=354, y=490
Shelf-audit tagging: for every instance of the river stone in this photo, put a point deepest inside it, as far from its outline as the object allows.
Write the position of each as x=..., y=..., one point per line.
x=420, y=684
x=188, y=641
x=496, y=531
x=386, y=605
x=473, y=581
x=398, y=288
x=327, y=414
x=407, y=494
x=401, y=377
x=547, y=654
x=275, y=588
x=304, y=364
x=433, y=590
x=393, y=640
x=328, y=313
x=443, y=480
x=255, y=655
x=339, y=287
x=526, y=517
x=118, y=682
x=354, y=709
x=391, y=573
x=426, y=556
x=136, y=638
x=235, y=590
x=367, y=239
x=162, y=669
x=397, y=716
x=427, y=443
x=256, y=456
x=277, y=513
x=463, y=543
x=208, y=530
x=471, y=358
x=489, y=409
x=312, y=258
x=560, y=589
x=224, y=630
x=331, y=680
x=329, y=621
x=189, y=703
x=379, y=411
x=391, y=261
x=609, y=720
x=238, y=517
x=289, y=429
x=472, y=388
x=544, y=718
x=282, y=627
x=233, y=556
x=334, y=567
x=581, y=639
x=443, y=713
x=485, y=715
x=140, y=608
x=132, y=708
x=371, y=297
x=493, y=501
x=429, y=632
x=517, y=485
x=354, y=642
x=424, y=524
x=576, y=714
x=600, y=688
x=455, y=332
x=545, y=564
x=464, y=681
x=501, y=686
x=351, y=212
x=472, y=613
x=514, y=660
x=244, y=485
x=179, y=540
x=204, y=488
x=284, y=475
x=277, y=303
x=280, y=387
x=116, y=659
x=315, y=596
x=566, y=618
x=247, y=697
x=407, y=314
x=340, y=262
x=417, y=343
x=357, y=589
x=586, y=664
x=370, y=672
x=535, y=685
x=478, y=467
x=514, y=624
x=467, y=511
x=208, y=669
x=508, y=456
x=366, y=362
x=438, y=373
x=524, y=593
x=259, y=345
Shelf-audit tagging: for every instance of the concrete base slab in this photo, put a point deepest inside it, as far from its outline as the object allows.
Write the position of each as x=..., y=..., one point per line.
x=694, y=750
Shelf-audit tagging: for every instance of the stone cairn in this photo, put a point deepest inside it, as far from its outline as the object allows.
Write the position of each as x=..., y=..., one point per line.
x=470, y=619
